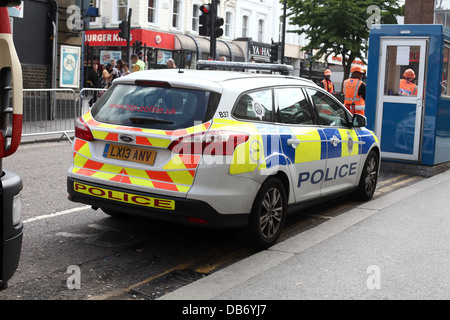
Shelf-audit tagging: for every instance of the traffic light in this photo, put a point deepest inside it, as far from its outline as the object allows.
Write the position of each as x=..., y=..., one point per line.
x=123, y=26
x=138, y=45
x=274, y=51
x=218, y=31
x=205, y=20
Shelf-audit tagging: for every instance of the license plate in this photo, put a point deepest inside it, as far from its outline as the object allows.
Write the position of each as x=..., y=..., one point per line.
x=134, y=154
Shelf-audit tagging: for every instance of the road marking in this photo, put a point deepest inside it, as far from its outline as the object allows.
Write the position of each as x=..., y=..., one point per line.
x=60, y=213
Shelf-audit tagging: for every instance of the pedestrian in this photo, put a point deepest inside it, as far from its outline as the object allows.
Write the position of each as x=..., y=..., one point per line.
x=94, y=81
x=171, y=64
x=107, y=75
x=355, y=91
x=407, y=87
x=326, y=83
x=138, y=64
x=125, y=70
x=120, y=66
x=94, y=77
x=115, y=72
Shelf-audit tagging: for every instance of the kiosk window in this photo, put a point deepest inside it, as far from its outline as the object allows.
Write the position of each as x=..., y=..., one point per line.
x=445, y=89
x=400, y=61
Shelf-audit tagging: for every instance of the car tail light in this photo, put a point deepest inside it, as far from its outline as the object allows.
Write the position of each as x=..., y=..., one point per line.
x=209, y=143
x=82, y=131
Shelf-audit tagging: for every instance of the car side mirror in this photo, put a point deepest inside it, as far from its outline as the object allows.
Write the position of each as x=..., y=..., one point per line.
x=359, y=120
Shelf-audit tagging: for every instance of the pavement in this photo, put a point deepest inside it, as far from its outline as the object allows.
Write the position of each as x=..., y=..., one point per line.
x=394, y=247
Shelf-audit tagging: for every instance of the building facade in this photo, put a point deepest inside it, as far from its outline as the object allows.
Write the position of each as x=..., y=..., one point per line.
x=166, y=28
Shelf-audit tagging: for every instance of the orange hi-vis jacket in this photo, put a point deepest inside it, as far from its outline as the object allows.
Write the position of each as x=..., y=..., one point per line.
x=328, y=85
x=407, y=88
x=352, y=101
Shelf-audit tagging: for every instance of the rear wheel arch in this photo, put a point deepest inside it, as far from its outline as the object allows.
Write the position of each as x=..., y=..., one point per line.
x=282, y=176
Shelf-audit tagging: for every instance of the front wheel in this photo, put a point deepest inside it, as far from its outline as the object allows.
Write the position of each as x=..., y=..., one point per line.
x=369, y=177
x=268, y=215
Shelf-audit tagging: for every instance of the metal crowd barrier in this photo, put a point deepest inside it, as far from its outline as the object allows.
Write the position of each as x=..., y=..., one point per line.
x=88, y=96
x=52, y=112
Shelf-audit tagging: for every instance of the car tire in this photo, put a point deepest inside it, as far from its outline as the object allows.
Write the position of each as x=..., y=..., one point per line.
x=369, y=177
x=268, y=215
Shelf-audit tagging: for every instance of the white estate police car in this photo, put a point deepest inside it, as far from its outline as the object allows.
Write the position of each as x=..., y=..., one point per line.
x=219, y=148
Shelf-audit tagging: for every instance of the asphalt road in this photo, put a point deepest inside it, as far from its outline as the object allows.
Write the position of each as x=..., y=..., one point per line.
x=120, y=258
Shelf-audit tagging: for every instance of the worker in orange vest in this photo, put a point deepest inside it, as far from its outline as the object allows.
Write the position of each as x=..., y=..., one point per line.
x=407, y=87
x=355, y=91
x=326, y=83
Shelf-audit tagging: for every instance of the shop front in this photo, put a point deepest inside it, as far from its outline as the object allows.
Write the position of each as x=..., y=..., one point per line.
x=104, y=45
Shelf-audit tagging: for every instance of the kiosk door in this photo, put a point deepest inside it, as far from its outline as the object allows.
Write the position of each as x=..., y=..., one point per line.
x=400, y=101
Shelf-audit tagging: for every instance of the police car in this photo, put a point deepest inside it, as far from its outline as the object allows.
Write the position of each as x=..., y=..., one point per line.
x=220, y=149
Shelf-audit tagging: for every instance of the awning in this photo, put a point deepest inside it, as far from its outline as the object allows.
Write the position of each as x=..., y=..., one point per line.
x=185, y=42
x=202, y=46
x=236, y=52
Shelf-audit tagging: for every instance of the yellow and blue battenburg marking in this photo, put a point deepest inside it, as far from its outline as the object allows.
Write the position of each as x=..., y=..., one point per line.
x=313, y=144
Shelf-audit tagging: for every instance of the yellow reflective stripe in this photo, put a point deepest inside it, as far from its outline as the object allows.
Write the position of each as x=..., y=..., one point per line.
x=103, y=175
x=99, y=134
x=106, y=125
x=154, y=131
x=136, y=173
x=85, y=151
x=157, y=142
x=345, y=152
x=111, y=168
x=310, y=146
x=242, y=161
x=174, y=163
x=79, y=161
x=75, y=169
x=87, y=116
x=141, y=182
x=196, y=129
x=149, y=184
x=181, y=177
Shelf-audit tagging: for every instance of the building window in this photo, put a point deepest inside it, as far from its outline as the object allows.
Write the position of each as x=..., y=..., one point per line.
x=151, y=11
x=176, y=20
x=260, y=30
x=244, y=26
x=228, y=19
x=122, y=10
x=195, y=17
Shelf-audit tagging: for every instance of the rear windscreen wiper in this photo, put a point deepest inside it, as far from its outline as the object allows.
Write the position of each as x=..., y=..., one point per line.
x=145, y=120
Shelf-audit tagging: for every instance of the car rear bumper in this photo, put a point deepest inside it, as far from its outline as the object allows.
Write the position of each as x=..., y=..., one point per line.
x=172, y=209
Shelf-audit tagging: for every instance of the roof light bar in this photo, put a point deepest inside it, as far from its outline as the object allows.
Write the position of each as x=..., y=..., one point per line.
x=283, y=68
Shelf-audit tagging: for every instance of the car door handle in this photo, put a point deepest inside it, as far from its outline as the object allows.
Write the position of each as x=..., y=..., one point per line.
x=293, y=142
x=335, y=141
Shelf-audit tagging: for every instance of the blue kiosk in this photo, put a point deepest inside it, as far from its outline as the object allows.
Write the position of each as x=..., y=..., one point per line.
x=414, y=130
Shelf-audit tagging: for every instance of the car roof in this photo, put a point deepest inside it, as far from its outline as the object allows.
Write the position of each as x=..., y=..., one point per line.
x=212, y=80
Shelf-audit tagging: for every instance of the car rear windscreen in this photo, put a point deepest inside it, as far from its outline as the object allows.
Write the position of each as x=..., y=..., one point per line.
x=162, y=108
